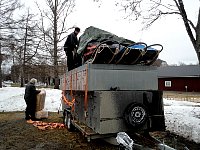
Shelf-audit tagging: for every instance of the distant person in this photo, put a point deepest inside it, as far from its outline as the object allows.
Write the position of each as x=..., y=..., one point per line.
x=30, y=99
x=70, y=48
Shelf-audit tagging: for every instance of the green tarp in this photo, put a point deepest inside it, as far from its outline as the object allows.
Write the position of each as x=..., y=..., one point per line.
x=95, y=34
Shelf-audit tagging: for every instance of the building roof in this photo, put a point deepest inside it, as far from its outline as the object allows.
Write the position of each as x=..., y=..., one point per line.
x=179, y=71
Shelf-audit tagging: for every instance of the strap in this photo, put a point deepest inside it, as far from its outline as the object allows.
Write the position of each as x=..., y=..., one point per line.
x=86, y=91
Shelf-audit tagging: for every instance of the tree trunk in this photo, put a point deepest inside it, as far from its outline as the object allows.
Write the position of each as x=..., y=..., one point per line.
x=24, y=54
x=56, y=84
x=0, y=66
x=195, y=42
x=0, y=71
x=197, y=47
x=22, y=81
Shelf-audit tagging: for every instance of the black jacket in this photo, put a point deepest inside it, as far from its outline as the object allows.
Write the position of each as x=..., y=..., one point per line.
x=71, y=42
x=30, y=92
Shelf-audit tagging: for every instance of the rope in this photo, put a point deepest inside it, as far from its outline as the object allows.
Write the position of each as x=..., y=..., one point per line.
x=101, y=47
x=122, y=56
x=65, y=100
x=157, y=53
x=86, y=92
x=64, y=83
x=127, y=51
x=71, y=93
x=141, y=54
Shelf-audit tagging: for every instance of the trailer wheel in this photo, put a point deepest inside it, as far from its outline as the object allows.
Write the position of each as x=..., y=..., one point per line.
x=136, y=115
x=67, y=120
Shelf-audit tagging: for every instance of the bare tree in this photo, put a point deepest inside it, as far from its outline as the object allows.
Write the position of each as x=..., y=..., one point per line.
x=7, y=7
x=56, y=15
x=152, y=10
x=26, y=44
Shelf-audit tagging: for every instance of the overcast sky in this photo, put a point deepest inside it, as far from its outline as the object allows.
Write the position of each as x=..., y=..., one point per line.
x=169, y=31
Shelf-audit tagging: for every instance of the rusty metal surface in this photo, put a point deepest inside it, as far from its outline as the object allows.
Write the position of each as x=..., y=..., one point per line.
x=105, y=110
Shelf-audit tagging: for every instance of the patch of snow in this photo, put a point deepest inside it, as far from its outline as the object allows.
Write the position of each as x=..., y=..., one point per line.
x=12, y=99
x=183, y=118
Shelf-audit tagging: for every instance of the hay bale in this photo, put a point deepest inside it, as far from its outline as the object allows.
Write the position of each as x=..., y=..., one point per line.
x=41, y=114
x=40, y=101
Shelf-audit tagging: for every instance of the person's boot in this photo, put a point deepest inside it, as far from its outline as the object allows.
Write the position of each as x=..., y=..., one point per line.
x=28, y=117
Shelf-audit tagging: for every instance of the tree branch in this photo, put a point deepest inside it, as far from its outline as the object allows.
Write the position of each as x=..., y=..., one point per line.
x=185, y=20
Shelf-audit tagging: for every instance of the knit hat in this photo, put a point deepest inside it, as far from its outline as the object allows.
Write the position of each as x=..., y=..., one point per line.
x=33, y=80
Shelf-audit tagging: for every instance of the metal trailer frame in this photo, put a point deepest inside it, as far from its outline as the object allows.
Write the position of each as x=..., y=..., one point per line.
x=102, y=100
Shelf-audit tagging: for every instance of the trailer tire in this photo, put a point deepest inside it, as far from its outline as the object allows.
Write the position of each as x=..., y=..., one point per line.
x=136, y=115
x=67, y=120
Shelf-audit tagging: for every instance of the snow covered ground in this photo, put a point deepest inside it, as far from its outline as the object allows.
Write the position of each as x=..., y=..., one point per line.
x=12, y=99
x=181, y=117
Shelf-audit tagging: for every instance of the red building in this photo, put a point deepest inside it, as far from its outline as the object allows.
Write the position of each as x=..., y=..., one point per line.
x=179, y=78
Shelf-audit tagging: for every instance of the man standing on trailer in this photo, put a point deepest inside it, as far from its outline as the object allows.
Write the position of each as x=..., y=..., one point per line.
x=70, y=48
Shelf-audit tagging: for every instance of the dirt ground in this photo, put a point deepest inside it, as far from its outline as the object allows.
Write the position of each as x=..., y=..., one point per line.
x=16, y=134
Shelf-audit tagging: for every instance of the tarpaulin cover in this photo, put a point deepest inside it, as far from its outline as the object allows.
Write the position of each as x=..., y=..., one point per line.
x=95, y=34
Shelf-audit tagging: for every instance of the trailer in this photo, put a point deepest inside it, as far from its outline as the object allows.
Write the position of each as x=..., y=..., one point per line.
x=102, y=100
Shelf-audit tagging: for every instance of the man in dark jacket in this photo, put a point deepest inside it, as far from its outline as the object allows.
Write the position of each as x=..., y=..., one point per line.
x=70, y=48
x=30, y=99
